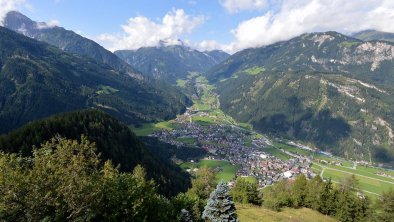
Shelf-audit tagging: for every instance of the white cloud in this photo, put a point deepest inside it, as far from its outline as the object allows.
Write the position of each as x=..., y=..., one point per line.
x=234, y=6
x=49, y=24
x=208, y=45
x=8, y=5
x=296, y=17
x=141, y=31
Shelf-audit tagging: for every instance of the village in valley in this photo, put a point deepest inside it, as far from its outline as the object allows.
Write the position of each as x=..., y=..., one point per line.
x=238, y=146
x=234, y=149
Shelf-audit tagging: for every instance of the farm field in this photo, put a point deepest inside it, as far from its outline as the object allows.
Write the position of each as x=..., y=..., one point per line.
x=149, y=128
x=187, y=140
x=226, y=173
x=276, y=152
x=369, y=185
x=369, y=182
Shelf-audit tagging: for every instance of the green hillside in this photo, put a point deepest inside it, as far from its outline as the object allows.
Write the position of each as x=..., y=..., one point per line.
x=113, y=139
x=38, y=80
x=326, y=52
x=369, y=35
x=66, y=40
x=312, y=89
x=247, y=213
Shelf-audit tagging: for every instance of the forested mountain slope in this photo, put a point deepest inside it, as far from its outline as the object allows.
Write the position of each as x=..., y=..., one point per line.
x=170, y=63
x=114, y=141
x=322, y=52
x=66, y=40
x=325, y=89
x=38, y=80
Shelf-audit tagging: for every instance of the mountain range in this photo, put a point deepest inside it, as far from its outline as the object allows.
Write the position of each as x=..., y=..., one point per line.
x=368, y=35
x=171, y=62
x=326, y=89
x=38, y=80
x=329, y=90
x=66, y=40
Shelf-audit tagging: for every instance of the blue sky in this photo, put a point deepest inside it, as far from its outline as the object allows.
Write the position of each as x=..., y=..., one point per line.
x=230, y=25
x=94, y=17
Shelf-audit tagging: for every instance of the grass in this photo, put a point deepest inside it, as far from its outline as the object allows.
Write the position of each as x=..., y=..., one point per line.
x=373, y=170
x=368, y=180
x=181, y=83
x=254, y=70
x=107, y=90
x=276, y=152
x=226, y=173
x=149, y=128
x=348, y=44
x=293, y=149
x=228, y=170
x=316, y=168
x=361, y=172
x=247, y=213
x=250, y=179
x=366, y=184
x=203, y=120
x=188, y=140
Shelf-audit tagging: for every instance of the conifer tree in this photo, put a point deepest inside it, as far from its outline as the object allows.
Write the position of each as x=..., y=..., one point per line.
x=245, y=191
x=299, y=191
x=220, y=206
x=385, y=204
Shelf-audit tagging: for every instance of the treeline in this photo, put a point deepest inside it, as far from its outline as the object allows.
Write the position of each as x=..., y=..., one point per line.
x=343, y=201
x=114, y=141
x=64, y=181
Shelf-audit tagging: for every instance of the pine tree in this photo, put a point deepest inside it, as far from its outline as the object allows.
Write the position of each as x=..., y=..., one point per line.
x=385, y=204
x=245, y=191
x=299, y=191
x=312, y=193
x=220, y=206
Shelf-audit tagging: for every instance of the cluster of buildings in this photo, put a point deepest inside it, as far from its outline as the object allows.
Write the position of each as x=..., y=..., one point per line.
x=239, y=147
x=268, y=169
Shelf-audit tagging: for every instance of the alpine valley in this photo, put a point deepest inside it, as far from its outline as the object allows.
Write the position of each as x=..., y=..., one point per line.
x=163, y=129
x=326, y=89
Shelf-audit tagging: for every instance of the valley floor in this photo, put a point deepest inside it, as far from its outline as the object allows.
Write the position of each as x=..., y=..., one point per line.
x=233, y=145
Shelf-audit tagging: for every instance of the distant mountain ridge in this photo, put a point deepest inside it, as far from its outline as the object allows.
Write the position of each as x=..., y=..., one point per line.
x=369, y=35
x=326, y=89
x=171, y=62
x=322, y=52
x=38, y=80
x=66, y=40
